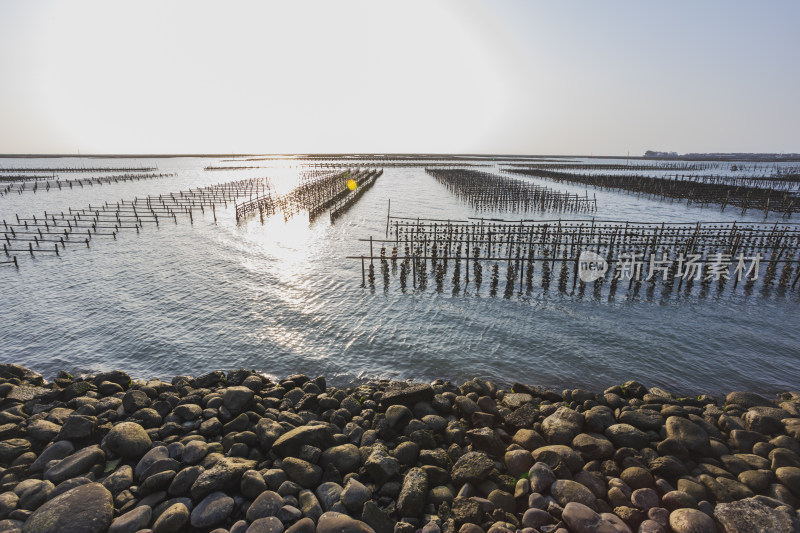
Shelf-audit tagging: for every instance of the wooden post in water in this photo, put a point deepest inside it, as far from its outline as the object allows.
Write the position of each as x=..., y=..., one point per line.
x=388, y=211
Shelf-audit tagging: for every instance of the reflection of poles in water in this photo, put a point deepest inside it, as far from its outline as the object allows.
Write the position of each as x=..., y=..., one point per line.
x=457, y=271
x=477, y=268
x=422, y=269
x=562, y=278
x=384, y=269
x=558, y=244
x=546, y=269
x=495, y=280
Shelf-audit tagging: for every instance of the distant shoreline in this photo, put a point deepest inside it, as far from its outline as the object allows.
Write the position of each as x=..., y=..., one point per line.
x=755, y=157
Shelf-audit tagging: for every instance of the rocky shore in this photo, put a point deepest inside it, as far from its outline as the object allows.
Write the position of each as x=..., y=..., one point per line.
x=240, y=453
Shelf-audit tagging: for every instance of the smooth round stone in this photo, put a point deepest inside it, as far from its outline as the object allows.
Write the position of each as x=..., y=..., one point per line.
x=214, y=509
x=637, y=478
x=518, y=461
x=172, y=519
x=266, y=504
x=84, y=509
x=332, y=522
x=536, y=518
x=132, y=521
x=691, y=521
x=644, y=498
x=129, y=440
x=268, y=524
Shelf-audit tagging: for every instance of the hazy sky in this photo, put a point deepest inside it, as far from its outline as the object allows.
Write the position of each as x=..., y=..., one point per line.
x=458, y=76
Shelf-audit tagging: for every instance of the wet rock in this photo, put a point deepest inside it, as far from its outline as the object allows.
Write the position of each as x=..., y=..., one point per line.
x=84, y=509
x=332, y=522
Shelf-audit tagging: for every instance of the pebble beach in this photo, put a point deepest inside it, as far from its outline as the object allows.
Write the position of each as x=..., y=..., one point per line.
x=240, y=452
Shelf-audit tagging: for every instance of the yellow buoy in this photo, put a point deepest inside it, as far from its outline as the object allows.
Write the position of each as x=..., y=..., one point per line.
x=351, y=184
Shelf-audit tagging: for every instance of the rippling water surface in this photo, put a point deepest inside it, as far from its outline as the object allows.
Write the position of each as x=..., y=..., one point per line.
x=281, y=298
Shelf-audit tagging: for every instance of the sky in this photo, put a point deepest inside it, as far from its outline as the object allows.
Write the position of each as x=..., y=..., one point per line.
x=461, y=76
